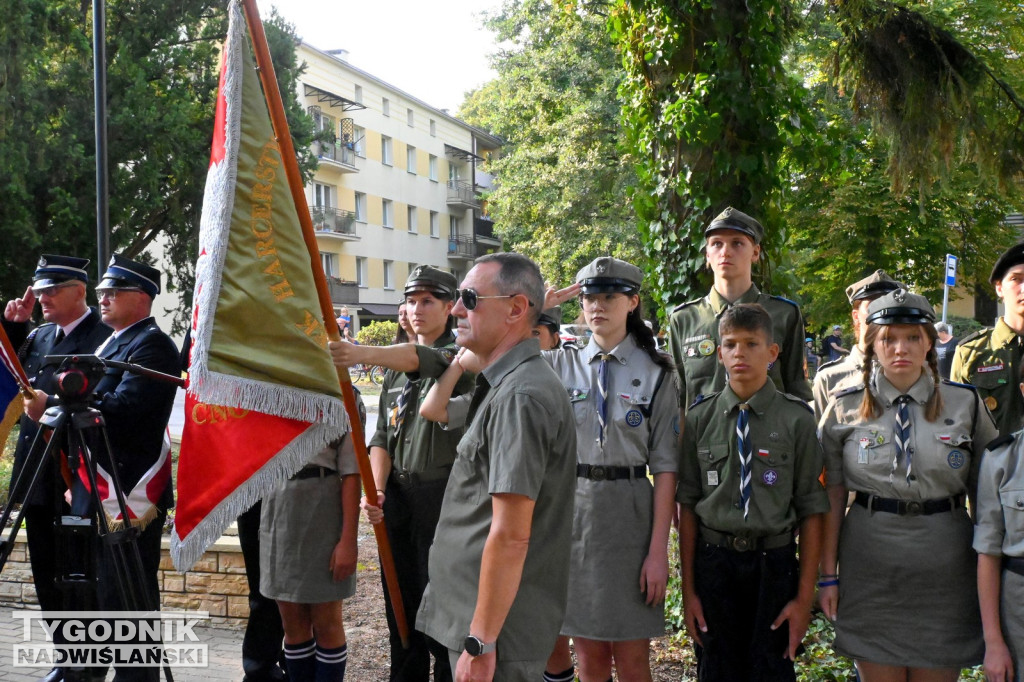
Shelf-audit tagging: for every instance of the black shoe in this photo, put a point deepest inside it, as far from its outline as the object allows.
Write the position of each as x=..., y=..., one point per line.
x=55, y=675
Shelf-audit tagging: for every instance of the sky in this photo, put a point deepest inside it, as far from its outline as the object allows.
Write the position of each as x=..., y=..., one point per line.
x=435, y=50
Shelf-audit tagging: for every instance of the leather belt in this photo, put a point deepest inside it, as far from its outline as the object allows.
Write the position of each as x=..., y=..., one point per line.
x=738, y=544
x=601, y=472
x=408, y=479
x=1014, y=564
x=313, y=472
x=908, y=507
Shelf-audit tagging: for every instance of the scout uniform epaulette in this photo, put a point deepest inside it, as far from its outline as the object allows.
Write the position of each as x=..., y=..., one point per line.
x=1001, y=441
x=701, y=398
x=830, y=363
x=969, y=387
x=785, y=300
x=688, y=303
x=798, y=401
x=975, y=335
x=847, y=391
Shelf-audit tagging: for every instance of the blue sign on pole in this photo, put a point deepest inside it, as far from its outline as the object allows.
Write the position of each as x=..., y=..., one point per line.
x=951, y=262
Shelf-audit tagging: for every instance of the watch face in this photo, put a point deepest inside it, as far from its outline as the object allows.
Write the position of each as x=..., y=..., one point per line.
x=473, y=646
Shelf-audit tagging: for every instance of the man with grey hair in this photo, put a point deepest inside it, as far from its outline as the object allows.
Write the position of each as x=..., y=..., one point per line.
x=945, y=348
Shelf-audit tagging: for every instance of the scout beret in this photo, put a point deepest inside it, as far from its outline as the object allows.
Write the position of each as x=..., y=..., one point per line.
x=52, y=270
x=731, y=219
x=1012, y=256
x=427, y=278
x=125, y=273
x=901, y=307
x=872, y=286
x=606, y=275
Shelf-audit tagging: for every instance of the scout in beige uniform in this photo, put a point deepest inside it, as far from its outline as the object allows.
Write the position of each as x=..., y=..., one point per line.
x=748, y=478
x=909, y=446
x=990, y=359
x=833, y=376
x=733, y=246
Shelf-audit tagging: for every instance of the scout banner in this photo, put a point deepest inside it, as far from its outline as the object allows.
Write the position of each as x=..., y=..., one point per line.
x=263, y=395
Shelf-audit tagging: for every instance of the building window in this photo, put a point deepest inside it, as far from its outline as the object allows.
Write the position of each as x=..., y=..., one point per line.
x=433, y=168
x=387, y=213
x=322, y=195
x=433, y=128
x=359, y=94
x=328, y=261
x=361, y=272
x=385, y=150
x=385, y=106
x=453, y=227
x=409, y=116
x=435, y=225
x=411, y=213
x=389, y=274
x=360, y=207
x=359, y=144
x=410, y=159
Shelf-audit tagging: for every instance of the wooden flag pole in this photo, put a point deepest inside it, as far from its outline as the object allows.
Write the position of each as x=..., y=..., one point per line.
x=291, y=165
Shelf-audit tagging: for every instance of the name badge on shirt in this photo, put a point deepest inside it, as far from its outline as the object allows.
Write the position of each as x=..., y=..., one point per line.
x=712, y=477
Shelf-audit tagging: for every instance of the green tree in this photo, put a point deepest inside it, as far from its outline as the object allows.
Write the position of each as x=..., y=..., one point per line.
x=161, y=84
x=563, y=179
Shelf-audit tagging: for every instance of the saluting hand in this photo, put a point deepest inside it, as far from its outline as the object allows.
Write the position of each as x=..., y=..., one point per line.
x=20, y=309
x=553, y=297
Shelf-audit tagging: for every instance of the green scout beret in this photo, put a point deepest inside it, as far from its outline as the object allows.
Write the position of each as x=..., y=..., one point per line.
x=606, y=275
x=872, y=286
x=427, y=278
x=1012, y=256
x=731, y=219
x=901, y=307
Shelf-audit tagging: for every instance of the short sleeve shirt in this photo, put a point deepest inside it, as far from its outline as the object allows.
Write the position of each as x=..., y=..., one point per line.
x=520, y=439
x=786, y=465
x=999, y=513
x=833, y=377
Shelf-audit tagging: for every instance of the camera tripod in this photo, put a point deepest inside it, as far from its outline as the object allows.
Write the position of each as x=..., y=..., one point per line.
x=74, y=432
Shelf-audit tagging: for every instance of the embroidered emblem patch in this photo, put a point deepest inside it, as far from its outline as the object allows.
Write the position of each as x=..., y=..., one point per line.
x=770, y=477
x=706, y=347
x=956, y=459
x=634, y=418
x=773, y=436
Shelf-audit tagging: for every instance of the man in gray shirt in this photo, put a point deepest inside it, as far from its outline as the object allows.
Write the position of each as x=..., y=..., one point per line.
x=499, y=565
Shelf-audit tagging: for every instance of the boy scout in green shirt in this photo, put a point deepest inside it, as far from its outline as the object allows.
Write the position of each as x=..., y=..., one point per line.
x=991, y=358
x=733, y=245
x=748, y=478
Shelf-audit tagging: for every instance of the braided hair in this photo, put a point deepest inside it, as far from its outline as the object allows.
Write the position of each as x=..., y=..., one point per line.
x=644, y=337
x=869, y=406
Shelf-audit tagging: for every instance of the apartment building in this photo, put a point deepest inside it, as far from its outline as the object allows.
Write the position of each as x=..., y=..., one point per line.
x=400, y=185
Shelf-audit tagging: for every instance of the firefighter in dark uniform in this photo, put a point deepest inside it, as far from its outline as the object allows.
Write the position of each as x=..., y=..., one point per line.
x=732, y=246
x=71, y=328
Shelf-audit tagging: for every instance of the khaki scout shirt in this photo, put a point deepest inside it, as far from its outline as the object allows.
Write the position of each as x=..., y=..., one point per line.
x=990, y=360
x=833, y=377
x=521, y=439
x=694, y=342
x=945, y=453
x=422, y=444
x=999, y=514
x=786, y=464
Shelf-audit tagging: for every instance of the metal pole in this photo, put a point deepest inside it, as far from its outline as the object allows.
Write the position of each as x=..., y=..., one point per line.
x=945, y=301
x=99, y=51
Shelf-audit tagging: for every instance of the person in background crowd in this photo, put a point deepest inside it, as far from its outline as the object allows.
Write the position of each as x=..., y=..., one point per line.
x=812, y=360
x=833, y=344
x=404, y=333
x=733, y=245
x=990, y=359
x=945, y=347
x=898, y=570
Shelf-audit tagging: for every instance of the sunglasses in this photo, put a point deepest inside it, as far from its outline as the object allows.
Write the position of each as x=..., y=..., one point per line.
x=469, y=297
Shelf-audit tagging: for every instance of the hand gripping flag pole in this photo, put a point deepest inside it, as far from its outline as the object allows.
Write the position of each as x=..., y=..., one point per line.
x=284, y=139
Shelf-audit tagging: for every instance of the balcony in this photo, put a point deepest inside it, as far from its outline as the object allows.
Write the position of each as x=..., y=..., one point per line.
x=342, y=292
x=334, y=222
x=483, y=230
x=462, y=194
x=461, y=248
x=336, y=155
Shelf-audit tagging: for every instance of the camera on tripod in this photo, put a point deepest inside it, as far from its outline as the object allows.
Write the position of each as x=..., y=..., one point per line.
x=77, y=377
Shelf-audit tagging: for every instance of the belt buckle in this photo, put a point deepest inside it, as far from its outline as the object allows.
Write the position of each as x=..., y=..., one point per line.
x=914, y=508
x=740, y=544
x=598, y=472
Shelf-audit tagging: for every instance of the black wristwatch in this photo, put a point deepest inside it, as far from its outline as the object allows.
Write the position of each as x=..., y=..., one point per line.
x=476, y=647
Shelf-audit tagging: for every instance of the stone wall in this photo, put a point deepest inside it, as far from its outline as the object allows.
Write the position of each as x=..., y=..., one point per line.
x=216, y=583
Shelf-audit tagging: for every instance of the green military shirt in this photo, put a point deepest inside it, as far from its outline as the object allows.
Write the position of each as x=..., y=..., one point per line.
x=787, y=463
x=694, y=342
x=422, y=444
x=834, y=376
x=990, y=360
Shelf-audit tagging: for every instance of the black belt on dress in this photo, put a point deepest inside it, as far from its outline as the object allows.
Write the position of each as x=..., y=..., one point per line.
x=601, y=472
x=908, y=507
x=1014, y=564
x=313, y=472
x=736, y=543
x=408, y=479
